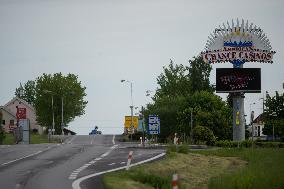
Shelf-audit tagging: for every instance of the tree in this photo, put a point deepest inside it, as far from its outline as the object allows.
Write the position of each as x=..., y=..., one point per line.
x=274, y=115
x=27, y=92
x=60, y=87
x=208, y=110
x=183, y=89
x=173, y=81
x=167, y=109
x=198, y=74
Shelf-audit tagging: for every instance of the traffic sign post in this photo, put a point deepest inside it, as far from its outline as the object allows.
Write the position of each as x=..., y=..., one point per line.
x=153, y=125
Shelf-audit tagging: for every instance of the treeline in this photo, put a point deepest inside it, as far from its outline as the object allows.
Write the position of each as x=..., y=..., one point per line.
x=185, y=90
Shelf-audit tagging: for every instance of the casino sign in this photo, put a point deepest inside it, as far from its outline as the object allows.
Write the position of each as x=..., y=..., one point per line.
x=238, y=43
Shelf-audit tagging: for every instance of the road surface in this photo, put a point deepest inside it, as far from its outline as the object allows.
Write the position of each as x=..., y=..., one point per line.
x=77, y=163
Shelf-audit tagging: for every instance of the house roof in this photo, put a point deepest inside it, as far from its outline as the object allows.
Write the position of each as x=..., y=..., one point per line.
x=20, y=100
x=9, y=112
x=259, y=118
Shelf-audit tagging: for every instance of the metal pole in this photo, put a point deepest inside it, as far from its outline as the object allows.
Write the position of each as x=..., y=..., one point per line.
x=62, y=121
x=131, y=107
x=143, y=136
x=273, y=132
x=52, y=115
x=191, y=127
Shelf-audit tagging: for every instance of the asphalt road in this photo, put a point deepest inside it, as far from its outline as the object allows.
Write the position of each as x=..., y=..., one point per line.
x=77, y=163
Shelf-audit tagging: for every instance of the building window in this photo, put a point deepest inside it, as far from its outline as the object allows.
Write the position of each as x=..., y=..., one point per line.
x=3, y=122
x=11, y=122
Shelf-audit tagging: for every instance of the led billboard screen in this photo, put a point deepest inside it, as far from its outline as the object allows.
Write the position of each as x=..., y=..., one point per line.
x=238, y=80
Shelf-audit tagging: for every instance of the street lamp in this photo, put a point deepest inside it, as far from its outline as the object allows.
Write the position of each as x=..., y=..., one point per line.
x=274, y=115
x=251, y=119
x=53, y=123
x=131, y=107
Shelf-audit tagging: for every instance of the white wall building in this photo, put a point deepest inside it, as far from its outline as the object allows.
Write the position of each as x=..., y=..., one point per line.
x=9, y=119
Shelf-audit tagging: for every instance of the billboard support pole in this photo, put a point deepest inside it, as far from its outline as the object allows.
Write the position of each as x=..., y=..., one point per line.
x=238, y=117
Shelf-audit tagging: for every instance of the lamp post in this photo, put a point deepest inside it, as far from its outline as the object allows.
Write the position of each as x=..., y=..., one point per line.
x=251, y=119
x=53, y=123
x=274, y=115
x=131, y=107
x=62, y=118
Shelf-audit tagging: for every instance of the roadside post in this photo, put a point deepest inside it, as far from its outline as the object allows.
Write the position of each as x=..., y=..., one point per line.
x=175, y=181
x=154, y=126
x=129, y=160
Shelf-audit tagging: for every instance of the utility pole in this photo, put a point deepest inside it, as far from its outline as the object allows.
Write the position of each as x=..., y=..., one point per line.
x=62, y=119
x=143, y=130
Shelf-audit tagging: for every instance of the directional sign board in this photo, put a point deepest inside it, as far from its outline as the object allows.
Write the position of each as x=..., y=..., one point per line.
x=154, y=125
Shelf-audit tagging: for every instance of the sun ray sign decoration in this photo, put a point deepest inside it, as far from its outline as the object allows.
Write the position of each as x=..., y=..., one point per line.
x=238, y=42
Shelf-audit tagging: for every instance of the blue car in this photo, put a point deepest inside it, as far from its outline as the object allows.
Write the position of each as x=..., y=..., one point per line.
x=93, y=132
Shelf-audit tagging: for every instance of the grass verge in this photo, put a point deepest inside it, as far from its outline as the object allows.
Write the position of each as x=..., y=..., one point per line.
x=34, y=139
x=194, y=171
x=265, y=169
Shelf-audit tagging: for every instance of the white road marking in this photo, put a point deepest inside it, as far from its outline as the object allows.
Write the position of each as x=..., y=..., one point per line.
x=112, y=164
x=113, y=142
x=70, y=142
x=36, y=153
x=76, y=183
x=77, y=171
x=105, y=154
x=122, y=162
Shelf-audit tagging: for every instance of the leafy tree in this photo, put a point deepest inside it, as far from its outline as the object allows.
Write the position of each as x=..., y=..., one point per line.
x=274, y=115
x=167, y=109
x=27, y=92
x=172, y=82
x=198, y=74
x=208, y=110
x=60, y=87
x=183, y=89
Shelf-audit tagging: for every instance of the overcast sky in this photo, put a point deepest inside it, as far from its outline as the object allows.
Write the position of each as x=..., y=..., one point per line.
x=104, y=41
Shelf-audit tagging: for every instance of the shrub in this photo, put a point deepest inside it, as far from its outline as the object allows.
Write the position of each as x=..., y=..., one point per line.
x=2, y=135
x=203, y=134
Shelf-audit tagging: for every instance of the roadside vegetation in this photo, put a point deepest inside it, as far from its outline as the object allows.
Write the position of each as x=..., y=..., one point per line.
x=194, y=171
x=34, y=139
x=235, y=168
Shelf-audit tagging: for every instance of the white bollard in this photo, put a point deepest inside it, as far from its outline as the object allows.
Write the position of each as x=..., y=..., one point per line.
x=129, y=160
x=175, y=181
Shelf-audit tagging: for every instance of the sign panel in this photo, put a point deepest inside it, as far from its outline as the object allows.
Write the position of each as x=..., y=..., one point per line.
x=153, y=125
x=127, y=122
x=238, y=42
x=21, y=113
x=238, y=80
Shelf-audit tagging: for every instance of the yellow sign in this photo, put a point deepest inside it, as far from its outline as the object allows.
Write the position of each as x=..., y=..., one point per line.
x=127, y=122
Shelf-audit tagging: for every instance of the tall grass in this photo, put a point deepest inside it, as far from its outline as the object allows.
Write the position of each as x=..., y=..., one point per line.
x=265, y=169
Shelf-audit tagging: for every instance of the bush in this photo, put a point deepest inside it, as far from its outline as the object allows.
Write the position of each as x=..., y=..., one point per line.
x=2, y=135
x=248, y=143
x=203, y=134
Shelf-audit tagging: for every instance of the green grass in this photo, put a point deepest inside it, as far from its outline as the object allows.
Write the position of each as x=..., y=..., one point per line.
x=9, y=139
x=265, y=169
x=194, y=172
x=34, y=139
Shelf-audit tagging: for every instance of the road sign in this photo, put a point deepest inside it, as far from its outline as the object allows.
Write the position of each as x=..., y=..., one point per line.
x=21, y=113
x=154, y=125
x=127, y=122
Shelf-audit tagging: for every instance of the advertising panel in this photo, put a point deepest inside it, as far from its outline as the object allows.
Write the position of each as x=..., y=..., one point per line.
x=238, y=80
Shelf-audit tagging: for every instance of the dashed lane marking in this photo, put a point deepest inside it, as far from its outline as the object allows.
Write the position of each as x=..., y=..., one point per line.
x=76, y=183
x=75, y=173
